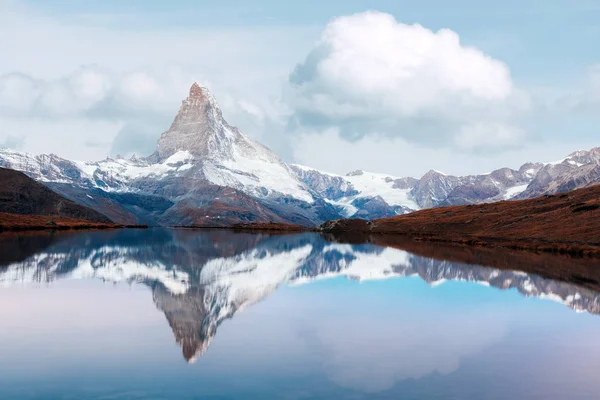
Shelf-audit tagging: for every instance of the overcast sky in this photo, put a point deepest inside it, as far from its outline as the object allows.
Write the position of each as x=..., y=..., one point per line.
x=399, y=87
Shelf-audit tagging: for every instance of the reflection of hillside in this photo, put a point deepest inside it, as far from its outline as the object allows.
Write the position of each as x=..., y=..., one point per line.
x=200, y=279
x=581, y=271
x=17, y=247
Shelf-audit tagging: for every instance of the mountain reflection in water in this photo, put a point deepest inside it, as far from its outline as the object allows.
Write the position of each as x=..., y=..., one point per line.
x=201, y=278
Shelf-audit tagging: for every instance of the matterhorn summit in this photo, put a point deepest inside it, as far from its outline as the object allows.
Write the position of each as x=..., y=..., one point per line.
x=227, y=157
x=199, y=128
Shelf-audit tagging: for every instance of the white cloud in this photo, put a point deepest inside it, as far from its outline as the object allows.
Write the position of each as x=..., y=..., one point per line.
x=486, y=136
x=371, y=74
x=73, y=138
x=92, y=92
x=11, y=142
x=17, y=93
x=79, y=114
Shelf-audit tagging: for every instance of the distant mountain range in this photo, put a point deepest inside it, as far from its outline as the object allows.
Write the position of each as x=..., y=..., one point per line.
x=206, y=172
x=200, y=280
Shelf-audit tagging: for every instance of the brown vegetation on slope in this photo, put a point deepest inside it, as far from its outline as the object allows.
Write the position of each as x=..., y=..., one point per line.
x=567, y=222
x=20, y=222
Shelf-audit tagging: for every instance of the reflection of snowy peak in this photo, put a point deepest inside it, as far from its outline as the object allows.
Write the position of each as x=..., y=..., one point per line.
x=108, y=263
x=201, y=279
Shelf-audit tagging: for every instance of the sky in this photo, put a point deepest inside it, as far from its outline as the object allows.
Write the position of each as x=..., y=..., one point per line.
x=397, y=87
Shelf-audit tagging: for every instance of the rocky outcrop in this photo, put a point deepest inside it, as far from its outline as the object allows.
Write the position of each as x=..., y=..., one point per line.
x=579, y=169
x=347, y=225
x=327, y=185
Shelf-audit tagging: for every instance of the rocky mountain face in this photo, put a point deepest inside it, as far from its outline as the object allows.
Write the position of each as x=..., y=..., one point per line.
x=20, y=194
x=207, y=172
x=199, y=280
x=579, y=169
x=361, y=194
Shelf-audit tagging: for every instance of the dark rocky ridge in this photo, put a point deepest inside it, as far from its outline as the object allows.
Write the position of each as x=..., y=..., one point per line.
x=20, y=194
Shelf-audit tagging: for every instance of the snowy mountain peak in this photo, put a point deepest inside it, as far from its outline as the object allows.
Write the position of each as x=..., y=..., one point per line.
x=585, y=156
x=201, y=96
x=199, y=127
x=222, y=155
x=196, y=90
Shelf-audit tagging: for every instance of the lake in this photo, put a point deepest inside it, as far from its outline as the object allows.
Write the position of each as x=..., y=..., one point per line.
x=185, y=314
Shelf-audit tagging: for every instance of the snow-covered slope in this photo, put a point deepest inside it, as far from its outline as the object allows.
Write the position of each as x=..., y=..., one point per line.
x=199, y=144
x=361, y=194
x=370, y=195
x=228, y=157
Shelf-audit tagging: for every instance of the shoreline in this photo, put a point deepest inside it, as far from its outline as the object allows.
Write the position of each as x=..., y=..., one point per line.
x=32, y=223
x=355, y=236
x=565, y=223
x=83, y=227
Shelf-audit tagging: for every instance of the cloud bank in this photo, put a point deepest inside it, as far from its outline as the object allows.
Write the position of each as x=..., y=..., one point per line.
x=370, y=74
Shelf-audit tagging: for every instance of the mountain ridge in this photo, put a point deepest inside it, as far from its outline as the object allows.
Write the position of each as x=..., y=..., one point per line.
x=201, y=152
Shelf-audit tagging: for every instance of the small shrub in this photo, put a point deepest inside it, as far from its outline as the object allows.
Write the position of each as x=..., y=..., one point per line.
x=587, y=207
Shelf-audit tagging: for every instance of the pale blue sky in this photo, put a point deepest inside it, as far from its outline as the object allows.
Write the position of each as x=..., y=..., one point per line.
x=245, y=51
x=526, y=34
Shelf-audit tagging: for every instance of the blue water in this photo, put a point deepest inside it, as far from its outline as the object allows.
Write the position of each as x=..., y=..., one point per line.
x=173, y=314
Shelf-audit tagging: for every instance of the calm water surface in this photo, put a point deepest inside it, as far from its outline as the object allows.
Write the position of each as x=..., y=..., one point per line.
x=180, y=314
